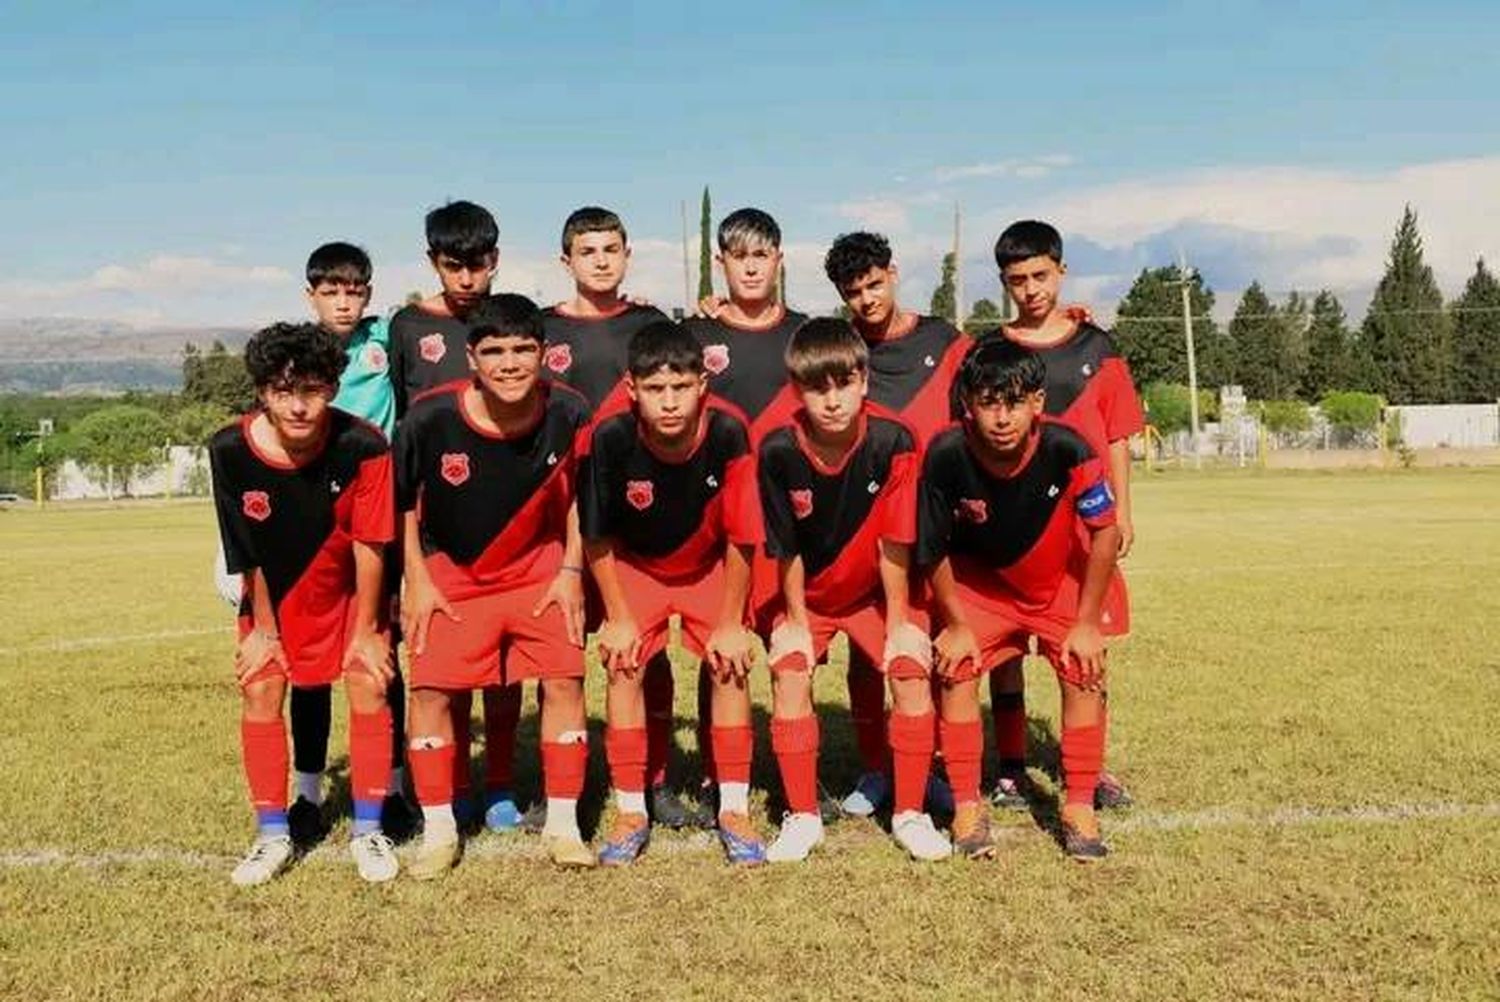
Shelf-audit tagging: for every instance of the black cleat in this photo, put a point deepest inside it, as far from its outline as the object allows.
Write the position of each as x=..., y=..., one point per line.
x=307, y=824
x=1110, y=793
x=398, y=819
x=1083, y=848
x=535, y=818
x=1010, y=793
x=668, y=809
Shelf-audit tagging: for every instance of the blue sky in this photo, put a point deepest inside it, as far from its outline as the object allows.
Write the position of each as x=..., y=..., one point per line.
x=175, y=164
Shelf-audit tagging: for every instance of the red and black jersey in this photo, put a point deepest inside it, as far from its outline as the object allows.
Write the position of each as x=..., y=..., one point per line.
x=834, y=517
x=912, y=373
x=298, y=523
x=590, y=354
x=1016, y=535
x=746, y=366
x=487, y=503
x=1089, y=387
x=671, y=519
x=426, y=351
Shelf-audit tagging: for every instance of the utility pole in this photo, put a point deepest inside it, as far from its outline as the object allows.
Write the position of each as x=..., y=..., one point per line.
x=1184, y=282
x=958, y=268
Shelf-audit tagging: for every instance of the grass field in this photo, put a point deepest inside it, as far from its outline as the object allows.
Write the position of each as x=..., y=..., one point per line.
x=1306, y=714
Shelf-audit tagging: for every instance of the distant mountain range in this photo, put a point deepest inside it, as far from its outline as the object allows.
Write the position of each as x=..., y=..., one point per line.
x=66, y=355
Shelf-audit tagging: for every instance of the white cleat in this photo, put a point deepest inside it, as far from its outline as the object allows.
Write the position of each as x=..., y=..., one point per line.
x=266, y=858
x=915, y=831
x=375, y=856
x=799, y=834
x=869, y=793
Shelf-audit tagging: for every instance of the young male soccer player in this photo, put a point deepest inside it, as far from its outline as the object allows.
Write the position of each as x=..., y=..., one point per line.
x=428, y=348
x=913, y=359
x=838, y=490
x=303, y=495
x=338, y=290
x=670, y=520
x=493, y=565
x=1017, y=529
x=1088, y=387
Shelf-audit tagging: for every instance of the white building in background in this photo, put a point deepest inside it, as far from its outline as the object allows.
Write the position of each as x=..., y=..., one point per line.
x=185, y=472
x=1452, y=426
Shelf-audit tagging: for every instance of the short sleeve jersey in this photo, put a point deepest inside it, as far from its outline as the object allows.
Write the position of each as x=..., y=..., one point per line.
x=426, y=351
x=488, y=505
x=672, y=519
x=1014, y=536
x=834, y=517
x=365, y=388
x=590, y=353
x=746, y=367
x=298, y=524
x=1089, y=388
x=912, y=373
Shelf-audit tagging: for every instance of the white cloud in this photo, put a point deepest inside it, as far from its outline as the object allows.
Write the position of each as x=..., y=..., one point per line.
x=1027, y=167
x=884, y=215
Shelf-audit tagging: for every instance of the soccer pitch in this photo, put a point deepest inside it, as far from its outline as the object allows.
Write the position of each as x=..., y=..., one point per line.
x=1305, y=714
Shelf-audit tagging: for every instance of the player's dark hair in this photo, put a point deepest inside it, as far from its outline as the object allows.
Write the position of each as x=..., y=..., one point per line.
x=508, y=314
x=998, y=369
x=1025, y=239
x=853, y=255
x=591, y=219
x=748, y=226
x=463, y=231
x=288, y=351
x=826, y=350
x=338, y=262
x=662, y=344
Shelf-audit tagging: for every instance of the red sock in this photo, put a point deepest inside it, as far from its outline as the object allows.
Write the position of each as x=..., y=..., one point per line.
x=369, y=754
x=1010, y=730
x=733, y=747
x=1082, y=758
x=563, y=768
x=705, y=725
x=963, y=751
x=460, y=707
x=795, y=743
x=911, y=751
x=263, y=747
x=626, y=751
x=431, y=772
x=867, y=711
x=500, y=739
x=660, y=696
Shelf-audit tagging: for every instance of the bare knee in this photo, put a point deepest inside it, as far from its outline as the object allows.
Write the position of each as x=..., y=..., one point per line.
x=911, y=697
x=791, y=694
x=261, y=699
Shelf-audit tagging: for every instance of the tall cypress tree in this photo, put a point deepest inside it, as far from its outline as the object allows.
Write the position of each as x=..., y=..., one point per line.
x=1476, y=339
x=1406, y=331
x=705, y=248
x=1329, y=360
x=945, y=296
x=1148, y=330
x=1253, y=333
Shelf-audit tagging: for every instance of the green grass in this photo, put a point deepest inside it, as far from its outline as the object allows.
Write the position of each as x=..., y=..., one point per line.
x=1314, y=654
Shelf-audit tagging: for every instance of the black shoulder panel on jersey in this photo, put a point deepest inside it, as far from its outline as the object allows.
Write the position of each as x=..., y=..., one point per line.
x=1073, y=363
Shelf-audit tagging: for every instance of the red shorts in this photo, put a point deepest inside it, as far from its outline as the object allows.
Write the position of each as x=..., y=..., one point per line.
x=864, y=625
x=1004, y=630
x=315, y=654
x=699, y=601
x=496, y=641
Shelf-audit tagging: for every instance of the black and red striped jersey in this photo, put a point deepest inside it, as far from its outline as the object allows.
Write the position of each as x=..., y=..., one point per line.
x=590, y=354
x=834, y=517
x=746, y=366
x=1089, y=387
x=426, y=350
x=1016, y=535
x=671, y=519
x=912, y=372
x=298, y=523
x=487, y=503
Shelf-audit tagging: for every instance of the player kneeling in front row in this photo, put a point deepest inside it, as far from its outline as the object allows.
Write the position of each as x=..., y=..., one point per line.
x=493, y=567
x=668, y=512
x=303, y=494
x=838, y=491
x=1017, y=528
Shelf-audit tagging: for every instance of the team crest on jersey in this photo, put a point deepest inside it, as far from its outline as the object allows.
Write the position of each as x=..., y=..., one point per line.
x=375, y=358
x=802, y=502
x=559, y=358
x=432, y=348
x=256, y=505
x=640, y=494
x=974, y=510
x=455, y=467
x=715, y=358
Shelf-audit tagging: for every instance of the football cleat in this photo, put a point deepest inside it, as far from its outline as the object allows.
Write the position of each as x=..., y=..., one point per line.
x=917, y=835
x=743, y=845
x=502, y=814
x=535, y=818
x=669, y=810
x=375, y=856
x=971, y=831
x=625, y=841
x=799, y=834
x=266, y=858
x=1110, y=793
x=1009, y=793
x=436, y=855
x=1080, y=835
x=869, y=794
x=568, y=851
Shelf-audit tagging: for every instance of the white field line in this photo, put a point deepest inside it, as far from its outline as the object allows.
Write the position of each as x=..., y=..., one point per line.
x=86, y=643
x=520, y=847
